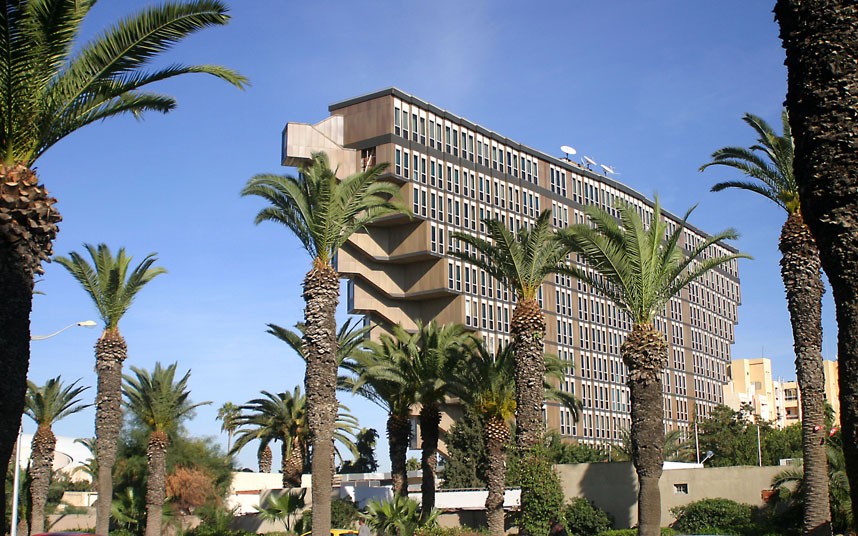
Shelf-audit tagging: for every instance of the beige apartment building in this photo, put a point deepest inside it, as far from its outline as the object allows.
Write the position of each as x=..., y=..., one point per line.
x=453, y=173
x=775, y=400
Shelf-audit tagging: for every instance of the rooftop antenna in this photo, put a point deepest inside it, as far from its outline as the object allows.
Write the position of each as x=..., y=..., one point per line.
x=587, y=161
x=567, y=150
x=608, y=169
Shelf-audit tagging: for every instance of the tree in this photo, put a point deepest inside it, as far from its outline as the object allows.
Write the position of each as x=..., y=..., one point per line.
x=822, y=64
x=53, y=86
x=465, y=466
x=283, y=417
x=112, y=287
x=282, y=507
x=160, y=403
x=46, y=405
x=228, y=417
x=323, y=213
x=769, y=163
x=640, y=269
x=521, y=261
x=365, y=461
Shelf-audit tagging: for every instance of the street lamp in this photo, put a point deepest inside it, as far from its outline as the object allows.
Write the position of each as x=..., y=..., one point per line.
x=709, y=455
x=16, y=474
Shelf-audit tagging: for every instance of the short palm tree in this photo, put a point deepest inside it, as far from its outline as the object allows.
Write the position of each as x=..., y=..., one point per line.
x=522, y=261
x=228, y=414
x=282, y=507
x=112, y=284
x=283, y=417
x=640, y=271
x=371, y=381
x=484, y=381
x=769, y=165
x=46, y=405
x=425, y=359
x=323, y=212
x=160, y=403
x=54, y=85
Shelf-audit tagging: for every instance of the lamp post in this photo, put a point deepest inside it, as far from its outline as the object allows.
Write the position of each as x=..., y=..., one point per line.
x=16, y=478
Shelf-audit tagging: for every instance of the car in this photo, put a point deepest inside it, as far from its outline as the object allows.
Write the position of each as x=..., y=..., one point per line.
x=337, y=532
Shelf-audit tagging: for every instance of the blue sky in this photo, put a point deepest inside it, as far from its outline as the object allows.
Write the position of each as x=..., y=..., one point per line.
x=651, y=88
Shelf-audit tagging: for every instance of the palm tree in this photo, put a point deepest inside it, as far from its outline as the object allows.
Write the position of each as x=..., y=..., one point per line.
x=228, y=415
x=112, y=285
x=484, y=381
x=769, y=163
x=425, y=359
x=282, y=507
x=522, y=261
x=323, y=213
x=160, y=403
x=640, y=271
x=46, y=405
x=385, y=390
x=350, y=339
x=55, y=85
x=821, y=64
x=282, y=417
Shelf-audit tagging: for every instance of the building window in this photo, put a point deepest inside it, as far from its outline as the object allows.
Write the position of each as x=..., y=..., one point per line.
x=681, y=489
x=397, y=127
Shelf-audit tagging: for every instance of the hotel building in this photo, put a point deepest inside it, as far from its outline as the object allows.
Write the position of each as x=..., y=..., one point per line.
x=453, y=173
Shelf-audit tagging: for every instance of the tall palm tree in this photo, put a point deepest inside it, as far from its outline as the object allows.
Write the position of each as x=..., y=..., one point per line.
x=160, y=403
x=350, y=338
x=283, y=417
x=769, y=164
x=822, y=67
x=386, y=390
x=484, y=381
x=112, y=284
x=323, y=212
x=423, y=366
x=53, y=85
x=640, y=271
x=46, y=405
x=228, y=414
x=522, y=261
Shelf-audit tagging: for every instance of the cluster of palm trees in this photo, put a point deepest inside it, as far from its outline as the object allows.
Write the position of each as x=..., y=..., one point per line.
x=639, y=267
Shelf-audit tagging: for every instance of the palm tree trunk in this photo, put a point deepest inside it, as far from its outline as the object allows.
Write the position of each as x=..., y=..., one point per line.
x=528, y=332
x=292, y=465
x=820, y=39
x=264, y=459
x=321, y=294
x=800, y=269
x=156, y=483
x=42, y=461
x=110, y=352
x=645, y=353
x=398, y=435
x=430, y=420
x=496, y=437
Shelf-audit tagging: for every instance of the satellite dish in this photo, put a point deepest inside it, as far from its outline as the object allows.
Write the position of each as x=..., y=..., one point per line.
x=608, y=169
x=568, y=150
x=589, y=162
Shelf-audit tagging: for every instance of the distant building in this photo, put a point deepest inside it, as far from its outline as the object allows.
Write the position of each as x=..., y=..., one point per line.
x=776, y=401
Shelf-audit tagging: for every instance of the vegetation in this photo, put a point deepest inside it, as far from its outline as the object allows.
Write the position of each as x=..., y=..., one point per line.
x=583, y=517
x=465, y=466
x=322, y=212
x=159, y=402
x=534, y=471
x=228, y=415
x=641, y=269
x=55, y=85
x=399, y=516
x=715, y=516
x=344, y=513
x=769, y=165
x=365, y=461
x=46, y=405
x=112, y=287
x=282, y=507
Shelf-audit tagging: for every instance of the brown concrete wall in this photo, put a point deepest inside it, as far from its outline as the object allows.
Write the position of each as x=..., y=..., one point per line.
x=613, y=487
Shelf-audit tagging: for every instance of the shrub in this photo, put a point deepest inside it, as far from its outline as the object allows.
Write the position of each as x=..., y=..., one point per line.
x=344, y=513
x=665, y=531
x=541, y=493
x=399, y=516
x=583, y=518
x=714, y=515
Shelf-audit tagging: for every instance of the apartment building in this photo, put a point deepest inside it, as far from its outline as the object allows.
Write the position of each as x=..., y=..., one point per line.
x=775, y=400
x=454, y=173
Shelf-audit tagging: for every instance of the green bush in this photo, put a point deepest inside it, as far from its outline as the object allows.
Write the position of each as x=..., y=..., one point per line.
x=437, y=530
x=344, y=513
x=665, y=531
x=715, y=516
x=541, y=493
x=583, y=518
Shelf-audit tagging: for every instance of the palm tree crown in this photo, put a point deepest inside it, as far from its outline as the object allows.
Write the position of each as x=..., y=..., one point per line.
x=108, y=280
x=157, y=399
x=51, y=87
x=636, y=267
x=522, y=259
x=321, y=210
x=53, y=401
x=769, y=161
